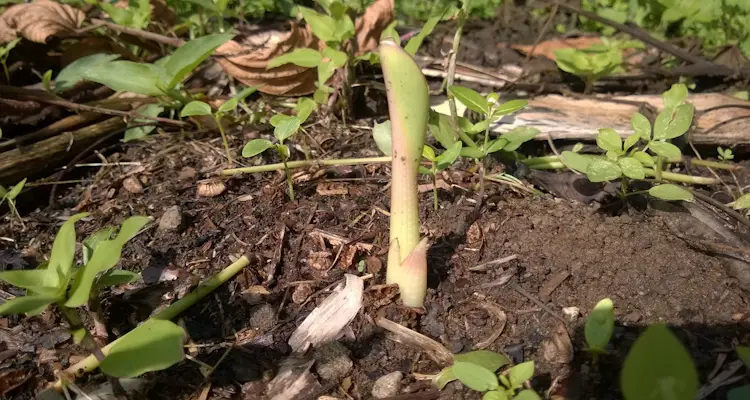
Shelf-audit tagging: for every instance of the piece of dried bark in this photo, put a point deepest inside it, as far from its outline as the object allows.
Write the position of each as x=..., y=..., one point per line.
x=38, y=21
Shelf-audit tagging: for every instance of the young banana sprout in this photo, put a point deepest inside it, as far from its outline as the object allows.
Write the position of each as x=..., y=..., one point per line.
x=408, y=107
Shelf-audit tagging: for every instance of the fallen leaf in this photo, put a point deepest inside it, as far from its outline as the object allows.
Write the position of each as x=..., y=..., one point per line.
x=40, y=20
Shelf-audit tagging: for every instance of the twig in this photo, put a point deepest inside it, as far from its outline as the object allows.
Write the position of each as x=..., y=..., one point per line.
x=485, y=266
x=155, y=37
x=536, y=301
x=723, y=207
x=305, y=164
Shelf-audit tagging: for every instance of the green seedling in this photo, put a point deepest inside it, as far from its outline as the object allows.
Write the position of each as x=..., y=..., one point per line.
x=4, y=53
x=59, y=282
x=408, y=102
x=10, y=197
x=742, y=203
x=627, y=160
x=285, y=127
x=199, y=108
x=594, y=62
x=137, y=15
x=437, y=164
x=725, y=154
x=599, y=327
x=478, y=371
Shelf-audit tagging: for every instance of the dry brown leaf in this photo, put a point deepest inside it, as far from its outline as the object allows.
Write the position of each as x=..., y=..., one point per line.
x=38, y=21
x=246, y=57
x=548, y=47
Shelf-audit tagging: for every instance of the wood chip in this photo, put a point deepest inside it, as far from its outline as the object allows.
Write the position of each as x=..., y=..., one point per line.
x=551, y=284
x=401, y=334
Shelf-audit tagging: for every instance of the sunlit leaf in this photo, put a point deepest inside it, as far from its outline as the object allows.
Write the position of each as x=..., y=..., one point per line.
x=16, y=190
x=741, y=203
x=304, y=57
x=381, y=133
x=576, y=161
x=443, y=378
x=153, y=346
x=527, y=395
x=187, y=57
x=485, y=358
x=195, y=108
x=255, y=147
x=63, y=250
x=337, y=57
x=670, y=192
x=231, y=104
x=603, y=171
x=449, y=156
x=321, y=25
x=286, y=128
x=130, y=227
x=630, y=141
x=305, y=106
x=127, y=76
x=474, y=376
x=644, y=158
x=413, y=44
x=37, y=280
x=510, y=107
x=440, y=127
x=665, y=149
x=673, y=122
x=470, y=98
x=497, y=145
x=600, y=325
x=471, y=152
x=498, y=394
x=609, y=140
x=675, y=96
x=631, y=168
x=520, y=373
x=116, y=277
x=658, y=367
x=641, y=126
x=31, y=304
x=518, y=136
x=428, y=153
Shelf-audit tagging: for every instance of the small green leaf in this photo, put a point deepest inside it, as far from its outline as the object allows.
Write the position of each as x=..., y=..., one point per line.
x=520, y=373
x=381, y=133
x=673, y=122
x=75, y=72
x=337, y=57
x=321, y=25
x=675, y=96
x=390, y=33
x=305, y=107
x=665, y=149
x=527, y=394
x=449, y=156
x=63, y=250
x=304, y=57
x=444, y=377
x=37, y=280
x=326, y=70
x=440, y=128
x=744, y=353
x=742, y=203
x=496, y=145
x=129, y=228
x=424, y=170
x=46, y=80
x=475, y=376
x=609, y=140
x=255, y=147
x=283, y=150
x=641, y=126
x=195, y=108
x=600, y=325
x=603, y=170
x=510, y=107
x=631, y=168
x=470, y=99
x=670, y=192
x=472, y=152
x=428, y=153
x=286, y=128
x=106, y=256
x=413, y=44
x=139, y=132
x=231, y=104
x=504, y=380
x=576, y=161
x=485, y=358
x=658, y=367
x=499, y=394
x=78, y=335
x=644, y=158
x=116, y=277
x=518, y=136
x=30, y=305
x=16, y=190
x=186, y=58
x=153, y=346
x=630, y=141
x=127, y=76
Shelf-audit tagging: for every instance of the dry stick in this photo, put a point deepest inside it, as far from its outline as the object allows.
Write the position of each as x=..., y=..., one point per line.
x=90, y=363
x=176, y=42
x=723, y=207
x=305, y=164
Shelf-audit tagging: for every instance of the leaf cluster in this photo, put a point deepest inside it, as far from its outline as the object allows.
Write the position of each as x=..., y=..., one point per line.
x=596, y=61
x=10, y=195
x=285, y=127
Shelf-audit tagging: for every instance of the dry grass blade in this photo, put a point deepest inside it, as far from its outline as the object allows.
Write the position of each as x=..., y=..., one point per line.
x=38, y=21
x=401, y=334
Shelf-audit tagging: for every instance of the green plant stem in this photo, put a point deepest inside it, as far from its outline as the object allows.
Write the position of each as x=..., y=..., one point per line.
x=670, y=176
x=289, y=180
x=658, y=170
x=217, y=118
x=306, y=164
x=451, y=75
x=90, y=363
x=692, y=161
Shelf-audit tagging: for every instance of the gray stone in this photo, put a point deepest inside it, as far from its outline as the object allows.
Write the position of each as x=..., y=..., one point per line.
x=262, y=317
x=387, y=385
x=332, y=362
x=171, y=220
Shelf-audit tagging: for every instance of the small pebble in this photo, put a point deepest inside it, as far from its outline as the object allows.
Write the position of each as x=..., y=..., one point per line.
x=301, y=293
x=737, y=316
x=262, y=317
x=132, y=185
x=186, y=174
x=387, y=385
x=332, y=362
x=171, y=219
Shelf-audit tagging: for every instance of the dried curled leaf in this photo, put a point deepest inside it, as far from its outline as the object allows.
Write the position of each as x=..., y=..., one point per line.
x=247, y=57
x=38, y=21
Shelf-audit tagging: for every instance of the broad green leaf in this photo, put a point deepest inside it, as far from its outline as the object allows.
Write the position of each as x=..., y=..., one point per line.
x=186, y=58
x=337, y=57
x=673, y=122
x=665, y=149
x=480, y=126
x=443, y=378
x=127, y=76
x=641, y=125
x=675, y=96
x=63, y=250
x=78, y=335
x=139, y=132
x=428, y=153
x=739, y=393
x=286, y=128
x=603, y=171
x=424, y=170
x=37, y=280
x=741, y=203
x=381, y=133
x=325, y=71
x=90, y=243
x=255, y=147
x=609, y=140
x=31, y=305
x=518, y=136
x=129, y=228
x=527, y=395
x=520, y=373
x=499, y=394
x=630, y=141
x=576, y=161
x=509, y=107
x=195, y=108
x=106, y=255
x=75, y=72
x=116, y=277
x=16, y=190
x=600, y=325
x=449, y=156
x=304, y=57
x=231, y=104
x=496, y=145
x=413, y=44
x=744, y=353
x=670, y=192
x=644, y=158
x=440, y=127
x=612, y=156
x=470, y=98
x=474, y=376
x=485, y=358
x=321, y=95
x=153, y=346
x=321, y=25
x=631, y=168
x=343, y=29
x=305, y=106
x=658, y=367
x=472, y=152
x=504, y=380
